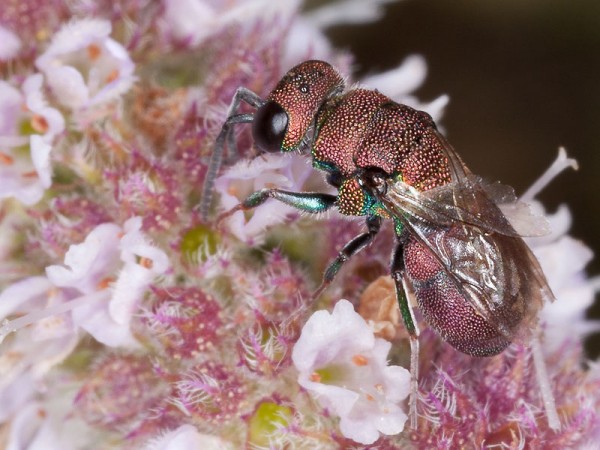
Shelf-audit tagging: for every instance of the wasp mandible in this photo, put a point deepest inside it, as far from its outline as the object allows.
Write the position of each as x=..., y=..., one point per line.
x=456, y=255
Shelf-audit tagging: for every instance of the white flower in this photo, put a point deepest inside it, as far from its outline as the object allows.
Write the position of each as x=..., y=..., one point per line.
x=92, y=266
x=47, y=121
x=283, y=171
x=82, y=287
x=101, y=284
x=186, y=437
x=347, y=12
x=84, y=67
x=41, y=426
x=10, y=44
x=26, y=174
x=193, y=21
x=28, y=357
x=563, y=260
x=341, y=362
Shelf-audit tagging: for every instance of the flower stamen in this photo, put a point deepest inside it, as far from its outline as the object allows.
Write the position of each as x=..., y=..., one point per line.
x=360, y=360
x=39, y=124
x=93, y=51
x=11, y=326
x=6, y=159
x=147, y=263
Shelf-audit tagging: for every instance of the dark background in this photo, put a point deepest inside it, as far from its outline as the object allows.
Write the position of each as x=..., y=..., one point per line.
x=523, y=78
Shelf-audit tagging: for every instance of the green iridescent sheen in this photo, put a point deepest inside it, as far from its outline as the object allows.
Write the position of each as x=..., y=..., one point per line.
x=405, y=310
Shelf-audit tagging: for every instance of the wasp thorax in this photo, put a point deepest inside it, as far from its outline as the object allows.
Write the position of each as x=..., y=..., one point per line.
x=269, y=126
x=300, y=94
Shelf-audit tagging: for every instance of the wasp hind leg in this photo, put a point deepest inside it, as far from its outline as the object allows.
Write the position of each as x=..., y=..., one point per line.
x=397, y=273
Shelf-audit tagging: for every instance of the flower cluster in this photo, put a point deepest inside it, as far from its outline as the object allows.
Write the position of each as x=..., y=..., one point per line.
x=126, y=321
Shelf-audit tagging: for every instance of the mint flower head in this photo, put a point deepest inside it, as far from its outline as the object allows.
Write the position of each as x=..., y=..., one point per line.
x=127, y=320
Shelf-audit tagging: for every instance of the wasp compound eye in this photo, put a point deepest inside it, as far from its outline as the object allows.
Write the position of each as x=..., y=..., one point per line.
x=269, y=126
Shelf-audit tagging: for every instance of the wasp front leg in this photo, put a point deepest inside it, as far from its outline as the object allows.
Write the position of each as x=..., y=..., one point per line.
x=225, y=138
x=398, y=275
x=309, y=202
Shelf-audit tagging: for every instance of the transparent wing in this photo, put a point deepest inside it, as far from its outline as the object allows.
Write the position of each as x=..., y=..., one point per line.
x=492, y=207
x=477, y=247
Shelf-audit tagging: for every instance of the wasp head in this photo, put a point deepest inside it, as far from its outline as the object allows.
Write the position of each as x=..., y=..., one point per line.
x=282, y=122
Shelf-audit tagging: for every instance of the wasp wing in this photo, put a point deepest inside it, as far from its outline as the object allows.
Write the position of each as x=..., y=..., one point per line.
x=475, y=244
x=492, y=207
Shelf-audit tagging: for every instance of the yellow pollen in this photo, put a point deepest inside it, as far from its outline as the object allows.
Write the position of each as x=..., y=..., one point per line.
x=360, y=360
x=315, y=377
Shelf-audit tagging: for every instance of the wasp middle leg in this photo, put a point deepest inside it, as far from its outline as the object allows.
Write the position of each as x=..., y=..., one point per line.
x=397, y=272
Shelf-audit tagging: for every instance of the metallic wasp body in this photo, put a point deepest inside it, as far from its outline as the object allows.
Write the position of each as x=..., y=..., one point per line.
x=474, y=279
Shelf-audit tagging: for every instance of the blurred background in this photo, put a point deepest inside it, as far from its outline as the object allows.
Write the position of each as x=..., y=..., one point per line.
x=523, y=78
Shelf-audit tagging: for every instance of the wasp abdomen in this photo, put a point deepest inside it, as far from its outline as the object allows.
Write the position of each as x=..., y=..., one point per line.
x=448, y=312
x=442, y=295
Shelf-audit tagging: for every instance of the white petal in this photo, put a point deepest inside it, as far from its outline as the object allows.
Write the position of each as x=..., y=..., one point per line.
x=187, y=437
x=398, y=383
x=12, y=398
x=95, y=319
x=68, y=86
x=561, y=163
x=434, y=108
x=359, y=431
x=339, y=399
x=32, y=88
x=24, y=426
x=128, y=291
x=392, y=423
x=10, y=107
x=347, y=12
x=89, y=262
x=325, y=335
x=19, y=296
x=398, y=82
x=73, y=36
x=192, y=20
x=40, y=157
x=10, y=44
